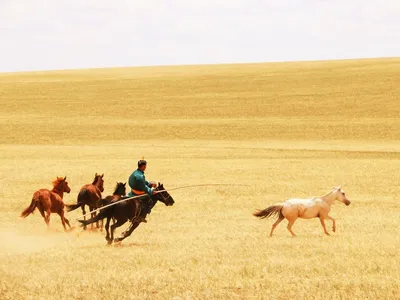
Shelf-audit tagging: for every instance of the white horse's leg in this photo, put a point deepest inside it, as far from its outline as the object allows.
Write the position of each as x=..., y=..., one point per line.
x=276, y=224
x=289, y=226
x=323, y=225
x=333, y=221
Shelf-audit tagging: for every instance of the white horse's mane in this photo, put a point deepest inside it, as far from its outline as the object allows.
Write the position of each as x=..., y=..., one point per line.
x=335, y=189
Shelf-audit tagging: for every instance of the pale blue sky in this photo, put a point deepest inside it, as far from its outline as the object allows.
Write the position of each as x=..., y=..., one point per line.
x=69, y=34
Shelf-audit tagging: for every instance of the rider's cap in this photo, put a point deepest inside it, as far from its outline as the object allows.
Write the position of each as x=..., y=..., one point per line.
x=142, y=162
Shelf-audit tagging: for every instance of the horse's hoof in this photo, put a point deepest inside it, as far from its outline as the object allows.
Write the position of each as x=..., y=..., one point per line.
x=117, y=243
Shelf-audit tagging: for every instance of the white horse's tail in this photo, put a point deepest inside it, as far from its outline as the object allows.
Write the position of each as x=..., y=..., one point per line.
x=269, y=212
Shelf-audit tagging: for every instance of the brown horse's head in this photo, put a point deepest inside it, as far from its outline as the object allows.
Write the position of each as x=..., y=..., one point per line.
x=61, y=184
x=341, y=195
x=120, y=189
x=163, y=195
x=99, y=182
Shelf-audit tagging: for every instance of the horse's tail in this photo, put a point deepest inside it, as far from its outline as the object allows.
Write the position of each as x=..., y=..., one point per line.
x=103, y=214
x=71, y=207
x=269, y=212
x=30, y=209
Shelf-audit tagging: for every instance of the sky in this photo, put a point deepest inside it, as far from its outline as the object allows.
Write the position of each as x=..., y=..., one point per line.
x=72, y=34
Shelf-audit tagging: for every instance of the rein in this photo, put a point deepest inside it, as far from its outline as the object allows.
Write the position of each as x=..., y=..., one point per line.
x=156, y=192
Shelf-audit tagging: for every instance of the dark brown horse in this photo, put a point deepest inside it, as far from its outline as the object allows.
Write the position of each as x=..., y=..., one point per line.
x=90, y=195
x=133, y=210
x=49, y=202
x=119, y=192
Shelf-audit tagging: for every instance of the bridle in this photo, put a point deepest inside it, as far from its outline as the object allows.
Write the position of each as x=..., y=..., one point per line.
x=164, y=198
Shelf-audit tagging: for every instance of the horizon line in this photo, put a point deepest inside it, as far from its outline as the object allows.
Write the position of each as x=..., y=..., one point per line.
x=194, y=64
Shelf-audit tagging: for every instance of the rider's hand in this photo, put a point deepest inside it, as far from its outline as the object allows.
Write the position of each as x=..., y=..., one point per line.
x=154, y=192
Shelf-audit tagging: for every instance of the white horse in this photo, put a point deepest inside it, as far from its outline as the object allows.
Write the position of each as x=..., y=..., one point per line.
x=305, y=208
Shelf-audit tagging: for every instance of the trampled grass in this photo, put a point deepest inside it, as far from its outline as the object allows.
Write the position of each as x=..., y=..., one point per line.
x=273, y=131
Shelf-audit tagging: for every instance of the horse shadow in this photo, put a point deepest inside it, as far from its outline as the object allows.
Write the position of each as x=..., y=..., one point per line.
x=129, y=245
x=118, y=245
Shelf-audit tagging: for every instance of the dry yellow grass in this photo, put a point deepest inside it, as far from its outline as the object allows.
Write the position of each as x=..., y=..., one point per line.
x=287, y=129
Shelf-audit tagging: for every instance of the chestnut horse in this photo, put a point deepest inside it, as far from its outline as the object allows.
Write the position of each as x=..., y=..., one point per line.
x=306, y=209
x=90, y=195
x=49, y=202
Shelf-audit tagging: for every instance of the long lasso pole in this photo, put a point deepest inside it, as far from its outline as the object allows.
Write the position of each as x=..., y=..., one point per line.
x=157, y=192
x=206, y=184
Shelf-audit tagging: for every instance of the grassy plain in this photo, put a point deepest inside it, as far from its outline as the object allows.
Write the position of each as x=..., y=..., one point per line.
x=284, y=129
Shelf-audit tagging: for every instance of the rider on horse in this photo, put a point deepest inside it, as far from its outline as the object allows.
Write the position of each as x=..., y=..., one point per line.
x=140, y=186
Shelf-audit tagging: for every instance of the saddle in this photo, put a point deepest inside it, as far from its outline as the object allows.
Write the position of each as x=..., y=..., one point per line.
x=141, y=210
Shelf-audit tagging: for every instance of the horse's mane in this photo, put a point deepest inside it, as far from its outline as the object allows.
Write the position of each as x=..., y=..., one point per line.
x=327, y=194
x=116, y=187
x=334, y=190
x=57, y=181
x=96, y=178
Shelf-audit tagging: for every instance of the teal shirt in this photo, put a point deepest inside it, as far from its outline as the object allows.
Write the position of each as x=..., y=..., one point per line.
x=137, y=181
